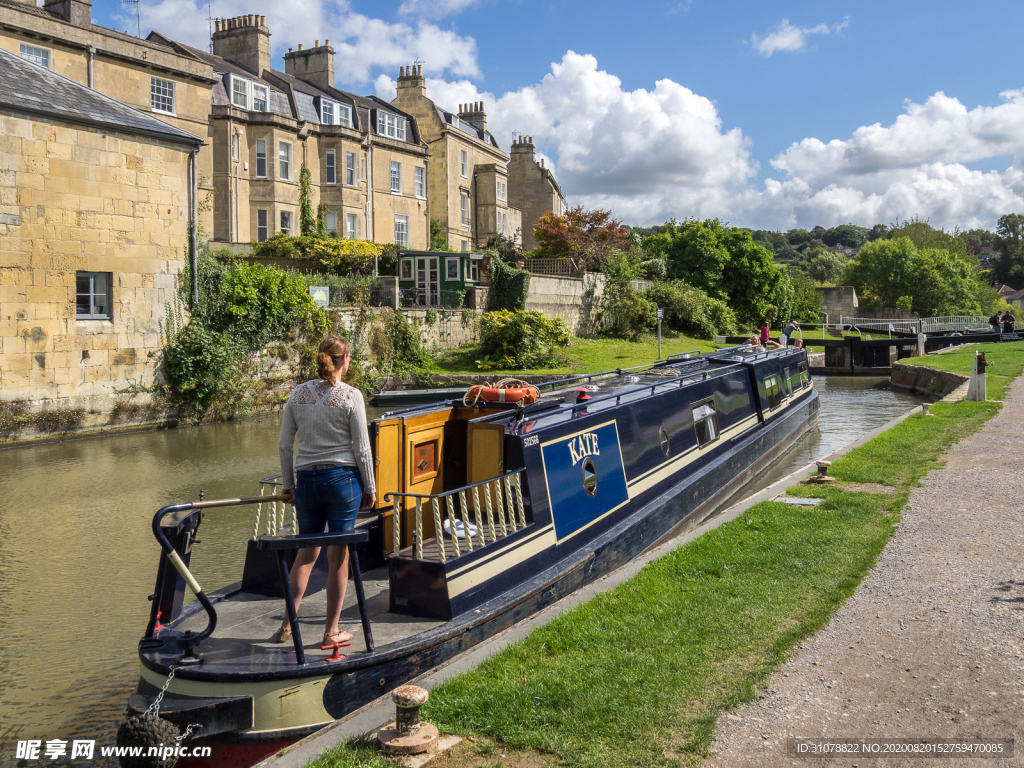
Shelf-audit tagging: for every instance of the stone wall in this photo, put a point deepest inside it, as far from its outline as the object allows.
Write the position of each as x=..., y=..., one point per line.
x=75, y=199
x=839, y=300
x=924, y=380
x=574, y=299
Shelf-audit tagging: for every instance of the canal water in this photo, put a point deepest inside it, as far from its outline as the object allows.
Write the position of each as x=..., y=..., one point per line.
x=78, y=558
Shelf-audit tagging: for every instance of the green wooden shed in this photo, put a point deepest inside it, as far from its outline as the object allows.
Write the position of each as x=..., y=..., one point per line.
x=437, y=278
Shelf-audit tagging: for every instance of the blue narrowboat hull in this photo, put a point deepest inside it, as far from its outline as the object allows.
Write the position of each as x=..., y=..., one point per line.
x=601, y=482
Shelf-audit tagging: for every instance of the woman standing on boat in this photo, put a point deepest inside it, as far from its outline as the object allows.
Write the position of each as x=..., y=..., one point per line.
x=334, y=473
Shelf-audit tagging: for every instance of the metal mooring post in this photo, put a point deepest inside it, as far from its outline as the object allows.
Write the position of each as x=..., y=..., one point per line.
x=408, y=735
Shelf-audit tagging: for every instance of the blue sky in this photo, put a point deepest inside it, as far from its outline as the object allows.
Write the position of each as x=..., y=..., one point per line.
x=763, y=114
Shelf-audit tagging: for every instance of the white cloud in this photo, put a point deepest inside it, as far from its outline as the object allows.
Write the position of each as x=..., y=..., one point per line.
x=362, y=44
x=786, y=37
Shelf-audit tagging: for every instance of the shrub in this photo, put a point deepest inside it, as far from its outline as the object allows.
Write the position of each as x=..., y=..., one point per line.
x=627, y=312
x=430, y=317
x=690, y=310
x=518, y=340
x=333, y=253
x=395, y=340
x=509, y=286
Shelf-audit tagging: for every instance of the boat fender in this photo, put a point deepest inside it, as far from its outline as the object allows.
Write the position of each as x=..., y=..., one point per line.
x=148, y=730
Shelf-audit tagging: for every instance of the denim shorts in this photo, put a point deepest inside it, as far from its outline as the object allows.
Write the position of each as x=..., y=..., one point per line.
x=328, y=497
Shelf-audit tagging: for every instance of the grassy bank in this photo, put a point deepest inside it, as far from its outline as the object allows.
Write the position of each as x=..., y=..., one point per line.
x=582, y=356
x=640, y=674
x=1006, y=360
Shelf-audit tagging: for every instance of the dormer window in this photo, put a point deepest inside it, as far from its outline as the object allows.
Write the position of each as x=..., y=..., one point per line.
x=390, y=125
x=245, y=94
x=333, y=113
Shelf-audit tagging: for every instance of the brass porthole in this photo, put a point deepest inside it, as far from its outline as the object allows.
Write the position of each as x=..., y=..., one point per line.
x=589, y=477
x=663, y=439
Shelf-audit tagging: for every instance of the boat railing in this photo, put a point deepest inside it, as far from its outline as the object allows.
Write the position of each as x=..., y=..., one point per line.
x=270, y=522
x=502, y=514
x=695, y=373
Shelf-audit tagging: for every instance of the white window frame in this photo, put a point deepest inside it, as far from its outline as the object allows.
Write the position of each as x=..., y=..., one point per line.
x=260, y=104
x=327, y=111
x=464, y=208
x=352, y=226
x=331, y=222
x=502, y=191
x=344, y=115
x=92, y=294
x=154, y=95
x=396, y=177
x=406, y=271
x=261, y=157
x=330, y=167
x=284, y=160
x=474, y=271
x=262, y=225
x=390, y=125
x=351, y=170
x=448, y=264
x=402, y=229
x=464, y=162
x=35, y=54
x=236, y=141
x=421, y=182
x=244, y=92
x=290, y=228
x=465, y=246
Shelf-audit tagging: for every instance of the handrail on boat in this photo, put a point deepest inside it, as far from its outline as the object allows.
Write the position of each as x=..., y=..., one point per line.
x=190, y=639
x=511, y=514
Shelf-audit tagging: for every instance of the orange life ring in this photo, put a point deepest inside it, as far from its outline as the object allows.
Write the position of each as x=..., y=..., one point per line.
x=525, y=395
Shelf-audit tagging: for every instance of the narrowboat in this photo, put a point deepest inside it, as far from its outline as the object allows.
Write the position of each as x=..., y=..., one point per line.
x=488, y=512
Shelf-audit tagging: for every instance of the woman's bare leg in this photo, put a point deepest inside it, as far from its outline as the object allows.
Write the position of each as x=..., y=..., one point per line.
x=337, y=581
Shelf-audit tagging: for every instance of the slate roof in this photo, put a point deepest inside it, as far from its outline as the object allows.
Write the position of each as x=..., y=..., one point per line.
x=454, y=120
x=36, y=90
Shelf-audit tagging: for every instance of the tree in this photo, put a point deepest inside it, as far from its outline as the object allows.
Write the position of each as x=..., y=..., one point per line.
x=726, y=264
x=806, y=301
x=1009, y=267
x=849, y=235
x=826, y=266
x=878, y=232
x=938, y=281
x=307, y=221
x=588, y=237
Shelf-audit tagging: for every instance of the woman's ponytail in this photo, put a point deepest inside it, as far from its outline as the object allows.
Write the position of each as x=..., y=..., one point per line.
x=332, y=351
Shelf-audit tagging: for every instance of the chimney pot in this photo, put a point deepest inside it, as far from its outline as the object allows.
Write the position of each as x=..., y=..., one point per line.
x=217, y=25
x=327, y=42
x=263, y=21
x=419, y=70
x=401, y=71
x=300, y=46
x=248, y=20
x=317, y=44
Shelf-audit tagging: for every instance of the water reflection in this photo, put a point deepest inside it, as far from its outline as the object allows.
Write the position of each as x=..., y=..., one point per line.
x=78, y=558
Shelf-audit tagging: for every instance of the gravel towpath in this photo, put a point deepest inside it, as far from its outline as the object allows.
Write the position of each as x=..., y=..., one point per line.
x=932, y=642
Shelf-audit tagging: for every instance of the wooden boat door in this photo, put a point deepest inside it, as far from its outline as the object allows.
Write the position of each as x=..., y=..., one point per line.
x=485, y=448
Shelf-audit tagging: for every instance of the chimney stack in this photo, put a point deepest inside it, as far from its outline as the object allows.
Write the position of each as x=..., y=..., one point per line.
x=474, y=114
x=411, y=83
x=77, y=12
x=314, y=65
x=244, y=40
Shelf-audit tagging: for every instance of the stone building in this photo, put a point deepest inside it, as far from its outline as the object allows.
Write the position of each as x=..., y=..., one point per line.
x=94, y=215
x=145, y=74
x=532, y=188
x=469, y=189
x=367, y=163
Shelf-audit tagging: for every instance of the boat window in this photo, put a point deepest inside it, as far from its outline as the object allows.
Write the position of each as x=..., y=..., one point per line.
x=705, y=422
x=788, y=382
x=663, y=439
x=771, y=391
x=589, y=477
x=803, y=379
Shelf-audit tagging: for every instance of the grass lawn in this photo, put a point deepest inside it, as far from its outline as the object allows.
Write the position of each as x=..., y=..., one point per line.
x=582, y=356
x=1007, y=360
x=640, y=674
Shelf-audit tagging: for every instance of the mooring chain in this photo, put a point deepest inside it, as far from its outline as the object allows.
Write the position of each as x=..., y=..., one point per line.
x=188, y=732
x=154, y=708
